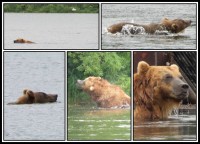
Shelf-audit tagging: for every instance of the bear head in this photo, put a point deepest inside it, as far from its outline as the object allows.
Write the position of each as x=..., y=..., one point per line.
x=159, y=88
x=91, y=83
x=19, y=40
x=176, y=25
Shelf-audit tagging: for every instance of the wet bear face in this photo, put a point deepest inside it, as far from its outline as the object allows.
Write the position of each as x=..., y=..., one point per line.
x=157, y=91
x=176, y=25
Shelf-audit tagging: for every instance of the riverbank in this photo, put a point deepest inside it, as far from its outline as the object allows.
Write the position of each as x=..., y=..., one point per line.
x=50, y=8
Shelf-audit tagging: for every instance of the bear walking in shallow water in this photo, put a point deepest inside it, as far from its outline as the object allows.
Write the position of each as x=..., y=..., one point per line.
x=105, y=94
x=157, y=91
x=30, y=97
x=172, y=26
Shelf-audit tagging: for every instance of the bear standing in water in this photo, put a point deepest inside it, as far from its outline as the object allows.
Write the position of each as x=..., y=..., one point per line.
x=157, y=91
x=172, y=26
x=105, y=94
x=30, y=97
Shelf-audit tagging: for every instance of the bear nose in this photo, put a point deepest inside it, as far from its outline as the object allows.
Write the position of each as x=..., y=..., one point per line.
x=80, y=81
x=185, y=86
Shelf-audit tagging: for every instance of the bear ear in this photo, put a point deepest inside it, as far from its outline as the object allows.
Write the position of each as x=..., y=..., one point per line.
x=30, y=96
x=24, y=91
x=91, y=88
x=174, y=26
x=174, y=67
x=165, y=19
x=30, y=93
x=143, y=67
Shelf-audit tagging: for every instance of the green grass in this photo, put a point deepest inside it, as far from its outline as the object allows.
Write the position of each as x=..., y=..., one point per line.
x=51, y=8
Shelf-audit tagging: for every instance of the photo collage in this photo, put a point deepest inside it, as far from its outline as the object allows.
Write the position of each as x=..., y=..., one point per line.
x=99, y=72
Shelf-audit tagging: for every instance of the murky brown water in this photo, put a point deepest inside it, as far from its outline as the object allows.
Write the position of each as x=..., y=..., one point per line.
x=182, y=127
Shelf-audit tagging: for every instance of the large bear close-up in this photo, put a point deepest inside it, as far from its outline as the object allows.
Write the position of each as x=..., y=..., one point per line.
x=105, y=94
x=157, y=91
x=172, y=26
x=30, y=97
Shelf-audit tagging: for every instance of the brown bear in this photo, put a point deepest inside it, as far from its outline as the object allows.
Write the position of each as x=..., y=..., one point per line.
x=20, y=40
x=105, y=94
x=30, y=97
x=157, y=91
x=172, y=26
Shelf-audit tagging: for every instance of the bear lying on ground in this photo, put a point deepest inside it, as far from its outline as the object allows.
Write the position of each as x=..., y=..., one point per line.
x=20, y=40
x=172, y=26
x=30, y=97
x=157, y=91
x=106, y=95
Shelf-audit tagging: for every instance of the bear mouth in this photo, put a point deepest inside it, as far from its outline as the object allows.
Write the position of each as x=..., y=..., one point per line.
x=182, y=95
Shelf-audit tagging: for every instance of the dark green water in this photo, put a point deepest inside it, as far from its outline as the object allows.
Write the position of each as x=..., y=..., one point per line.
x=86, y=123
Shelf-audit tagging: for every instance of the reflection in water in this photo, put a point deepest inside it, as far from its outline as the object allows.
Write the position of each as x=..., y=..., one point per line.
x=176, y=128
x=105, y=112
x=98, y=124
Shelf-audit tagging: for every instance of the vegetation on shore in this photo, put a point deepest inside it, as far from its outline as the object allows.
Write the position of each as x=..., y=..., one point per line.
x=50, y=8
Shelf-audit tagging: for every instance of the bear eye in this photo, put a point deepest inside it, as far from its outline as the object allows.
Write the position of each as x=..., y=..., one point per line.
x=168, y=77
x=181, y=77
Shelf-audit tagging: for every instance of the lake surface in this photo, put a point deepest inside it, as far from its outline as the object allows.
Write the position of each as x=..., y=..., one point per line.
x=37, y=71
x=145, y=14
x=87, y=123
x=51, y=31
x=176, y=128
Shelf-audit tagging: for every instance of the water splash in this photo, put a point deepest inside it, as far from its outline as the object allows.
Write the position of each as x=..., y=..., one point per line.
x=132, y=30
x=162, y=32
x=175, y=112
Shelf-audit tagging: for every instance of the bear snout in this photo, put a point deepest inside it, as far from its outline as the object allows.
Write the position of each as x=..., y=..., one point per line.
x=53, y=98
x=185, y=87
x=188, y=23
x=79, y=83
x=15, y=41
x=183, y=91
